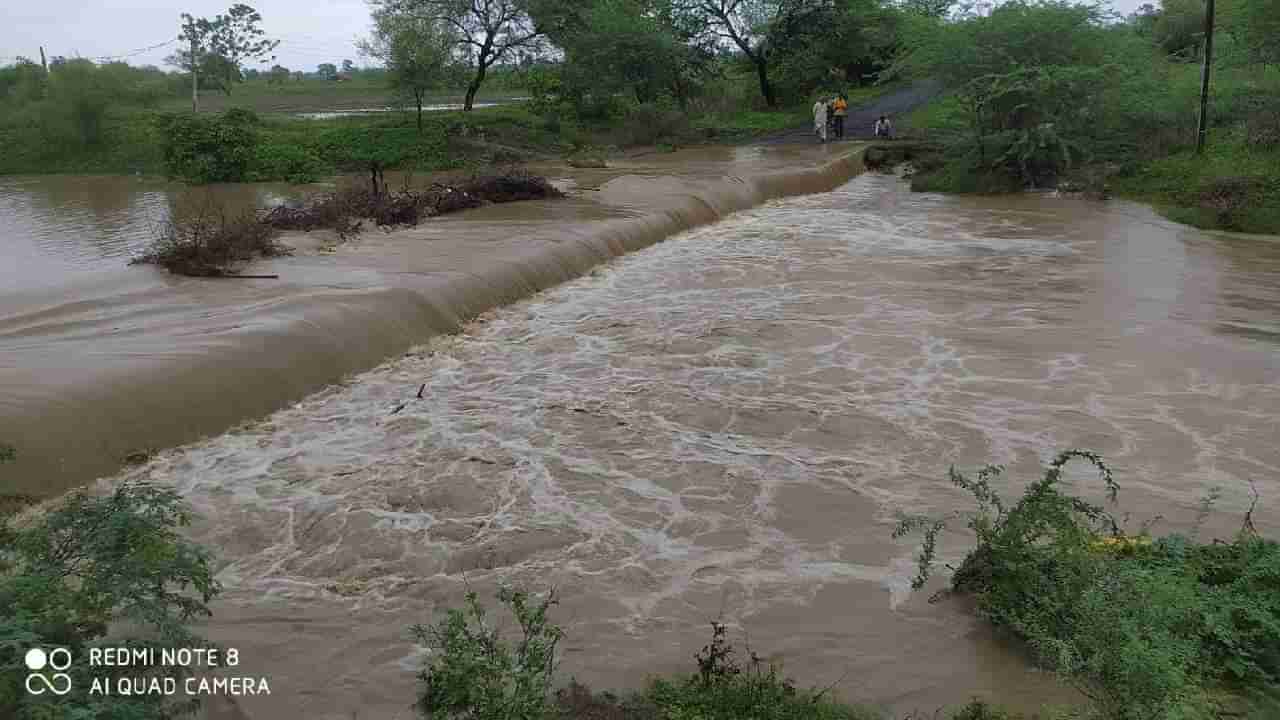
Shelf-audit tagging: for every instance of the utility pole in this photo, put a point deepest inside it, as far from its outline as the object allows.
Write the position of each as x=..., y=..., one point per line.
x=1202, y=128
x=195, y=81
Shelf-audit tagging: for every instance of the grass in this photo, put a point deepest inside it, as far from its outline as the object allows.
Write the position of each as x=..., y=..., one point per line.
x=292, y=148
x=315, y=95
x=1234, y=185
x=1188, y=188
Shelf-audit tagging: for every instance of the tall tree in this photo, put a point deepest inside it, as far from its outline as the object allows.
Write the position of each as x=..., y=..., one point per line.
x=612, y=46
x=327, y=71
x=483, y=32
x=237, y=38
x=415, y=50
x=747, y=25
x=348, y=67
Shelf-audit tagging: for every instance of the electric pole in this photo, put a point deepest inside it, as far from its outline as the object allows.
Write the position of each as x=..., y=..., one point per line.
x=195, y=80
x=1202, y=128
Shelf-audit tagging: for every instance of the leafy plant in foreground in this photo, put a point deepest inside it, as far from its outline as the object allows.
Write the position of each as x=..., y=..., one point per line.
x=476, y=674
x=1148, y=629
x=82, y=574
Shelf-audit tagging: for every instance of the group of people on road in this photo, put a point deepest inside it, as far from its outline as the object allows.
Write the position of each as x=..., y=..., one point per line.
x=829, y=115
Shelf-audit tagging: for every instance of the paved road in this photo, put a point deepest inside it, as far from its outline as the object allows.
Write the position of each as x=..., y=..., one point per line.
x=862, y=118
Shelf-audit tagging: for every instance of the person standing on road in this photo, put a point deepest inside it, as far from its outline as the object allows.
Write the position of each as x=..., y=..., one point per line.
x=820, y=119
x=841, y=107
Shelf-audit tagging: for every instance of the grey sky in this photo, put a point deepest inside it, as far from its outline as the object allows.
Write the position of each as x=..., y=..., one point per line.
x=310, y=32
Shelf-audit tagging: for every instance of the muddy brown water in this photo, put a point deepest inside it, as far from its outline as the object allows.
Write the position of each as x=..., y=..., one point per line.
x=722, y=425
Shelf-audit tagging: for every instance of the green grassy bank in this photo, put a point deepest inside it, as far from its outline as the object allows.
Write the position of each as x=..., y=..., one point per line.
x=1234, y=185
x=1046, y=94
x=131, y=139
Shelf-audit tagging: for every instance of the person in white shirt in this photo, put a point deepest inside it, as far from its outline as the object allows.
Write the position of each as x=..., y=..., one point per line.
x=883, y=128
x=820, y=119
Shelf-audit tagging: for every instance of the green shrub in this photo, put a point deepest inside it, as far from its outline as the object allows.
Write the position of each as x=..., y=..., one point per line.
x=77, y=575
x=200, y=149
x=725, y=689
x=288, y=162
x=1145, y=628
x=476, y=674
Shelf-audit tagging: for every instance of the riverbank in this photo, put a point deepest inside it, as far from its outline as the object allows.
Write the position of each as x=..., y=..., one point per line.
x=1234, y=185
x=129, y=360
x=298, y=149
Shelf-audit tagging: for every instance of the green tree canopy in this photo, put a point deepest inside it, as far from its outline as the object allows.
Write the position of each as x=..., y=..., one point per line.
x=415, y=49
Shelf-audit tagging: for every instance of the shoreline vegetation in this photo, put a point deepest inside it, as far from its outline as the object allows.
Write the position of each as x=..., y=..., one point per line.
x=206, y=242
x=1146, y=627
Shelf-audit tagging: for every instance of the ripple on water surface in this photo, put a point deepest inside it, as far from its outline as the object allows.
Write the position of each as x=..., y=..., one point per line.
x=726, y=424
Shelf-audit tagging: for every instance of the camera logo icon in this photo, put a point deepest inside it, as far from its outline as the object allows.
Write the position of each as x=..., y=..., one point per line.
x=58, y=660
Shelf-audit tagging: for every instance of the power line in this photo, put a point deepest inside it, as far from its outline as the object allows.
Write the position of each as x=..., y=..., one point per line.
x=139, y=51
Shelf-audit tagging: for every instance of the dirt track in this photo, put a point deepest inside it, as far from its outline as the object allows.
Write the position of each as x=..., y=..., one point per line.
x=862, y=118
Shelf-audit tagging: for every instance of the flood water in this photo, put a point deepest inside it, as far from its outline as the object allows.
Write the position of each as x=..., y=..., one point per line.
x=60, y=227
x=432, y=107
x=725, y=425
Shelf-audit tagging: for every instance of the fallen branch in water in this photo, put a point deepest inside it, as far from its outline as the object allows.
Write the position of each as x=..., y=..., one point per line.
x=248, y=277
x=207, y=242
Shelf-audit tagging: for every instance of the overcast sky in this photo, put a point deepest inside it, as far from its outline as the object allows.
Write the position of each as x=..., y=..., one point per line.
x=310, y=31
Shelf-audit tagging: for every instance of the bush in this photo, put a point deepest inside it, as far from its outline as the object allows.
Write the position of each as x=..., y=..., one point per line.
x=1145, y=628
x=200, y=149
x=76, y=106
x=647, y=123
x=76, y=575
x=477, y=675
x=283, y=161
x=724, y=689
x=208, y=243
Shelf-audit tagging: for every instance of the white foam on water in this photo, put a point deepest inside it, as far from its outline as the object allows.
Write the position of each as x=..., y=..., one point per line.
x=744, y=407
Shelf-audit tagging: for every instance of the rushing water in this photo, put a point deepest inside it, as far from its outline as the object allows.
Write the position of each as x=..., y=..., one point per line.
x=725, y=425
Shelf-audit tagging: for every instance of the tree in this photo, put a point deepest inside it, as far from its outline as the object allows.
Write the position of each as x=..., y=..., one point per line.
x=348, y=67
x=415, y=50
x=484, y=32
x=327, y=71
x=1255, y=26
x=278, y=75
x=217, y=49
x=83, y=574
x=747, y=24
x=929, y=8
x=1179, y=28
x=826, y=46
x=237, y=38
x=633, y=46
x=78, y=97
x=22, y=82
